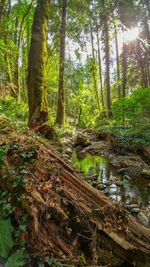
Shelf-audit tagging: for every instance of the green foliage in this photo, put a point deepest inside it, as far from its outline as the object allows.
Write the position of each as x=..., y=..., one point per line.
x=5, y=205
x=134, y=109
x=6, y=241
x=2, y=153
x=50, y=261
x=15, y=110
x=16, y=259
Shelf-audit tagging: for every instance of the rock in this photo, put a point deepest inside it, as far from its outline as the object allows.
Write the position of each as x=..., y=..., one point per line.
x=113, y=178
x=143, y=219
x=135, y=210
x=131, y=206
x=106, y=191
x=149, y=185
x=94, y=183
x=97, y=148
x=100, y=186
x=122, y=170
x=108, y=183
x=134, y=171
x=68, y=151
x=146, y=152
x=92, y=177
x=82, y=140
x=118, y=183
x=132, y=163
x=127, y=177
x=146, y=173
x=81, y=153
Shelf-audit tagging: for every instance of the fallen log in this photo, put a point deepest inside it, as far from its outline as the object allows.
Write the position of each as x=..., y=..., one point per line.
x=68, y=217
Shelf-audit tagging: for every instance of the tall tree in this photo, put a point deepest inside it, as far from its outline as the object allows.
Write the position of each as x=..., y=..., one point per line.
x=37, y=89
x=100, y=65
x=94, y=70
x=61, y=91
x=117, y=55
x=105, y=23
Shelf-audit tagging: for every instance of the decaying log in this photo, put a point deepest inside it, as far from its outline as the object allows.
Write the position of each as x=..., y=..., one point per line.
x=67, y=214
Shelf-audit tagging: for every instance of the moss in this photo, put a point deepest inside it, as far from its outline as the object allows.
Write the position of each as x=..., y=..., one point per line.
x=37, y=76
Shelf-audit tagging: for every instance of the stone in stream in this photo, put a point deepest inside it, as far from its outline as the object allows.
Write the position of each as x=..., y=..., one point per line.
x=100, y=186
x=94, y=183
x=131, y=206
x=143, y=218
x=108, y=183
x=146, y=173
x=127, y=177
x=135, y=210
x=82, y=140
x=118, y=183
x=106, y=191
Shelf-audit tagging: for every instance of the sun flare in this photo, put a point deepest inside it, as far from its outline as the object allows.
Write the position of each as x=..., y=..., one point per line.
x=131, y=35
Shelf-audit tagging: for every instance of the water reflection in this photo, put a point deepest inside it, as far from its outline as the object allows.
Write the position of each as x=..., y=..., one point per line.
x=128, y=191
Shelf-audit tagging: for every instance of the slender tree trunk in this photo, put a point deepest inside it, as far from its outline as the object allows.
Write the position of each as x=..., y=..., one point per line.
x=117, y=58
x=18, y=44
x=147, y=35
x=94, y=71
x=37, y=91
x=124, y=69
x=107, y=61
x=141, y=64
x=61, y=91
x=100, y=67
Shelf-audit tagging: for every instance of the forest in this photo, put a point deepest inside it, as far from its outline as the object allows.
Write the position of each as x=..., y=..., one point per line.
x=74, y=133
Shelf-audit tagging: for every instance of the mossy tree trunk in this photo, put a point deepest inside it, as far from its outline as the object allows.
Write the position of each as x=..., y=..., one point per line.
x=37, y=91
x=61, y=98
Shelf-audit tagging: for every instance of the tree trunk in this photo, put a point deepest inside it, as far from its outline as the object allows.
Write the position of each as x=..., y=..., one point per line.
x=100, y=67
x=94, y=72
x=117, y=58
x=141, y=64
x=124, y=69
x=18, y=38
x=107, y=62
x=37, y=91
x=61, y=94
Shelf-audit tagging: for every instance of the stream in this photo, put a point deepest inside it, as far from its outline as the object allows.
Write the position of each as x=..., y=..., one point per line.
x=134, y=193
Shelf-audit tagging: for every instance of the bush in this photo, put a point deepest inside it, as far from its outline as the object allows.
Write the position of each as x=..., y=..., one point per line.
x=16, y=111
x=134, y=109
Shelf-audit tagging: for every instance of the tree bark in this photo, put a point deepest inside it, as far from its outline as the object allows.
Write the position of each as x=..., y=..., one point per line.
x=18, y=38
x=124, y=69
x=61, y=91
x=37, y=91
x=142, y=66
x=117, y=58
x=94, y=71
x=107, y=62
x=100, y=67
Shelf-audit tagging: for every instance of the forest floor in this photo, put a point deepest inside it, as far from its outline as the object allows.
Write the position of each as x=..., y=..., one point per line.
x=56, y=215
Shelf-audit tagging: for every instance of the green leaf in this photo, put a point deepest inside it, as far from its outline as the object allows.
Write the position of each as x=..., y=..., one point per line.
x=6, y=241
x=16, y=259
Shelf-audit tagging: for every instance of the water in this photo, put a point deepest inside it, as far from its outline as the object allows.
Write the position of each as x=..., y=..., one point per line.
x=127, y=191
